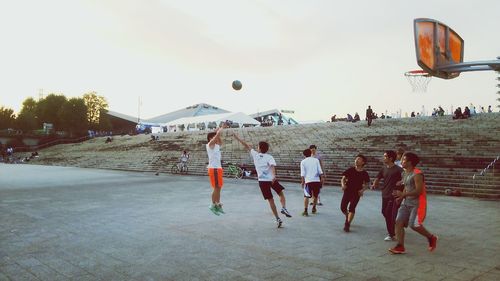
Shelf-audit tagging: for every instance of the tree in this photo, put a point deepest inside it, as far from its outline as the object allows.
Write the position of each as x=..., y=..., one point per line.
x=73, y=116
x=27, y=118
x=48, y=109
x=7, y=117
x=95, y=105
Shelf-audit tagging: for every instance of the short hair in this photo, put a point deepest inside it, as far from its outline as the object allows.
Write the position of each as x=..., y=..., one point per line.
x=412, y=157
x=400, y=150
x=263, y=146
x=211, y=135
x=391, y=154
x=312, y=146
x=362, y=157
x=307, y=152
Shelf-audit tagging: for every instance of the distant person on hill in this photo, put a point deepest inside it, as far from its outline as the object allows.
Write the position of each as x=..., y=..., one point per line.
x=440, y=111
x=391, y=173
x=356, y=117
x=482, y=110
x=382, y=116
x=412, y=210
x=349, y=117
x=473, y=111
x=413, y=114
x=369, y=115
x=214, y=167
x=458, y=113
x=266, y=173
x=311, y=179
x=315, y=153
x=466, y=112
x=489, y=109
x=354, y=182
x=334, y=118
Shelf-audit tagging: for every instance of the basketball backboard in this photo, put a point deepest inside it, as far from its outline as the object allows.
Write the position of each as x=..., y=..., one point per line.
x=437, y=45
x=440, y=50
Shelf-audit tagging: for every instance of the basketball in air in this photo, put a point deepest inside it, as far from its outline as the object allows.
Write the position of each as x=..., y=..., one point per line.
x=237, y=85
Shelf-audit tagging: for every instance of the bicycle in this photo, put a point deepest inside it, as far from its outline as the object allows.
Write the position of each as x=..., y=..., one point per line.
x=181, y=168
x=234, y=171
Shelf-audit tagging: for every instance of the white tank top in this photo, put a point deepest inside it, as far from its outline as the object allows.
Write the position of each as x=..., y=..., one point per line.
x=214, y=157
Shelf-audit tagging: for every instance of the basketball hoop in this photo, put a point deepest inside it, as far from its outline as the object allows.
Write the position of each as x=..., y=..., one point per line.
x=419, y=80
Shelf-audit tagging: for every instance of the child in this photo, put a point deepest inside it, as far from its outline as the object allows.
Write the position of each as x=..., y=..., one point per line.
x=266, y=172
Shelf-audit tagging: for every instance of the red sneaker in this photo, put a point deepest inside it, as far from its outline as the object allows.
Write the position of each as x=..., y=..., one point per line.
x=433, y=243
x=397, y=250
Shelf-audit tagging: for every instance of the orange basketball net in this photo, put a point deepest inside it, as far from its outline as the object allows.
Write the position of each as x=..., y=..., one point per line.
x=419, y=80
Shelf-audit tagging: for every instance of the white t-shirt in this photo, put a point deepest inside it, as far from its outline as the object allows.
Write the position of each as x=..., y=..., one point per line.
x=263, y=163
x=214, y=157
x=310, y=169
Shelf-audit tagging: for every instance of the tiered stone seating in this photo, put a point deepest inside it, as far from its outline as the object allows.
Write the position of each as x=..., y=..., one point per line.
x=452, y=151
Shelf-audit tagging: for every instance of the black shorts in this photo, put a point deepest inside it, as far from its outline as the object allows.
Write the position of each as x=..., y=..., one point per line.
x=314, y=188
x=265, y=188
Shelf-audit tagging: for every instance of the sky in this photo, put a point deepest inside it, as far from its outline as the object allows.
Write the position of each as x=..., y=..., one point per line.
x=317, y=58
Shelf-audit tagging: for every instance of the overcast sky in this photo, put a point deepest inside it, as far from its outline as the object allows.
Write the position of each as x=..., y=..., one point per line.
x=317, y=58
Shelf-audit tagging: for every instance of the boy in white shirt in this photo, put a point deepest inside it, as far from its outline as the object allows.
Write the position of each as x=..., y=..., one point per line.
x=266, y=172
x=312, y=179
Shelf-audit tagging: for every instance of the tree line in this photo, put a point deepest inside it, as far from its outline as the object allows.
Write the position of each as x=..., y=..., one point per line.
x=74, y=115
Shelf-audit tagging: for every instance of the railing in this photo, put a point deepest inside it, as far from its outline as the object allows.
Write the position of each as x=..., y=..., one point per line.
x=491, y=165
x=50, y=143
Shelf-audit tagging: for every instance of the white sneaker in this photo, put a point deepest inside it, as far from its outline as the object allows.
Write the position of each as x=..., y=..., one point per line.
x=389, y=238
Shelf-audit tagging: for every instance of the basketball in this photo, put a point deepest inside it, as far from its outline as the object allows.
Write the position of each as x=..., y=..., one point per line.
x=237, y=85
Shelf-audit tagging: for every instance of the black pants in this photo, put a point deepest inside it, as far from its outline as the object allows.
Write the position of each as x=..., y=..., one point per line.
x=350, y=199
x=388, y=213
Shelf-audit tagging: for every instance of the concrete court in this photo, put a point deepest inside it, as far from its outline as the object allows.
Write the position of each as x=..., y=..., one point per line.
x=60, y=223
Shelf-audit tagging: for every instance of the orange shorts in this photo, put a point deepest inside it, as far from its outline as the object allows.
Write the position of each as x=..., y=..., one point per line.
x=215, y=175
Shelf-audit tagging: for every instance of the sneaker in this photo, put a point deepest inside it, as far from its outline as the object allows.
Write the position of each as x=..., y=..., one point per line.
x=279, y=222
x=214, y=209
x=433, y=243
x=346, y=226
x=389, y=238
x=397, y=250
x=219, y=209
x=311, y=203
x=320, y=204
x=305, y=214
x=157, y=173
x=286, y=213
x=314, y=210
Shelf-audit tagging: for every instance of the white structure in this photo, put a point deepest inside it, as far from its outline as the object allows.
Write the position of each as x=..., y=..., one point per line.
x=212, y=121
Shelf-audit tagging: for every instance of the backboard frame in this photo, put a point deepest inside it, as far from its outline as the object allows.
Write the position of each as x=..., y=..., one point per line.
x=444, y=51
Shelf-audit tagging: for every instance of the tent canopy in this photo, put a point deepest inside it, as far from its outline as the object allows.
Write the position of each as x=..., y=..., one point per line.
x=236, y=117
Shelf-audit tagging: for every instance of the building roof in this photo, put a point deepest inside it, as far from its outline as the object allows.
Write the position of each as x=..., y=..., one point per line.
x=190, y=111
x=122, y=116
x=238, y=117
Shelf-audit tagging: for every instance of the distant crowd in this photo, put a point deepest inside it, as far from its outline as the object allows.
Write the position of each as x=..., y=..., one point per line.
x=370, y=115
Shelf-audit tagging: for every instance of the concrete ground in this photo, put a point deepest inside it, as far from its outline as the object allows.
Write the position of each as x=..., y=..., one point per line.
x=83, y=224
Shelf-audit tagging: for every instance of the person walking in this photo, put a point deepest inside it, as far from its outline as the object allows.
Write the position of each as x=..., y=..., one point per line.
x=354, y=182
x=311, y=178
x=412, y=210
x=315, y=153
x=369, y=115
x=391, y=174
x=265, y=165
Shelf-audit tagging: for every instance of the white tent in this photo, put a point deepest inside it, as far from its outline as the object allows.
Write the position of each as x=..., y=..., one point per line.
x=204, y=122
